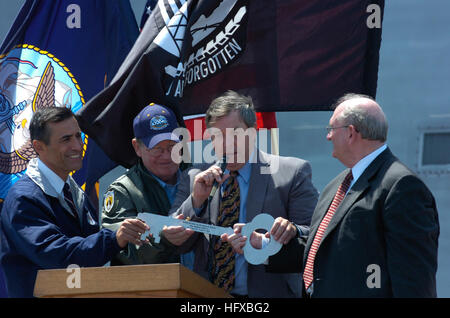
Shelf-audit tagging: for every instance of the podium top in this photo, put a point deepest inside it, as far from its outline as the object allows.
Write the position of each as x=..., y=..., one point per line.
x=157, y=280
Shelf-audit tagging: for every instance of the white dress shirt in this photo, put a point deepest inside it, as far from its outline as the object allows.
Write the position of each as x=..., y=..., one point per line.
x=362, y=165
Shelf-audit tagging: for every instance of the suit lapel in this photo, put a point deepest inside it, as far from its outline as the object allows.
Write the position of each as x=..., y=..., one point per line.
x=212, y=211
x=214, y=207
x=258, y=186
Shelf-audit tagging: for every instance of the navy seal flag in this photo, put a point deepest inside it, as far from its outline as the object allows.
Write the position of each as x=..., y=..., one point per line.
x=289, y=55
x=58, y=53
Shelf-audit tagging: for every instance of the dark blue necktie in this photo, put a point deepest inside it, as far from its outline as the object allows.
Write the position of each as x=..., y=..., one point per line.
x=69, y=200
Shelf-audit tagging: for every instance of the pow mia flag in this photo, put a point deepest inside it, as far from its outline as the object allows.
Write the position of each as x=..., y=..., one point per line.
x=215, y=54
x=182, y=43
x=289, y=55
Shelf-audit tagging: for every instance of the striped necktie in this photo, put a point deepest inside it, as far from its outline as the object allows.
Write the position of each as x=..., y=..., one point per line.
x=223, y=274
x=69, y=200
x=308, y=274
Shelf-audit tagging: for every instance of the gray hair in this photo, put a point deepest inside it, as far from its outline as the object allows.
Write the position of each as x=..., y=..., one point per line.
x=229, y=102
x=372, y=125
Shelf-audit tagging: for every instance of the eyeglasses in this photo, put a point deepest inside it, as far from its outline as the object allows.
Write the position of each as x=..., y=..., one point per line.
x=329, y=128
x=156, y=152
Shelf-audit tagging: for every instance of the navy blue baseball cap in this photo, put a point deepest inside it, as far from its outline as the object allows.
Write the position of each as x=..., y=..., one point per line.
x=154, y=124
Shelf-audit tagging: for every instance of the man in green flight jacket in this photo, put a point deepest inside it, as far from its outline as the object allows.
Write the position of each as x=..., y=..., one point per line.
x=149, y=186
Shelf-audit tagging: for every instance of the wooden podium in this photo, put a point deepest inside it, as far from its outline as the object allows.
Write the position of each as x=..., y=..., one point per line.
x=159, y=280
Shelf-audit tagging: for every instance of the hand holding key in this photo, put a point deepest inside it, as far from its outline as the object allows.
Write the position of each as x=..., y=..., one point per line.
x=177, y=234
x=130, y=231
x=237, y=240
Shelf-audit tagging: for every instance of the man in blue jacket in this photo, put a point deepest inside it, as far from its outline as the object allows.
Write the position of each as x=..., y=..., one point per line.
x=47, y=220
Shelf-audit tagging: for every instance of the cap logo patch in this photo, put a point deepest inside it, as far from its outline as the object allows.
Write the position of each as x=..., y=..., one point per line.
x=158, y=122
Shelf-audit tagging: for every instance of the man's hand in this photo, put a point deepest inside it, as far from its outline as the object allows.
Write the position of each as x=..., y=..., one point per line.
x=177, y=235
x=130, y=231
x=237, y=241
x=203, y=183
x=283, y=230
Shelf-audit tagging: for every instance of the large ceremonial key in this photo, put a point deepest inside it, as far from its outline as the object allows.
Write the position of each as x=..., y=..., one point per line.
x=157, y=222
x=253, y=256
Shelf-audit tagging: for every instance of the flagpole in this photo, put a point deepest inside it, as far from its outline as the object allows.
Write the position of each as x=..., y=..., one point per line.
x=274, y=141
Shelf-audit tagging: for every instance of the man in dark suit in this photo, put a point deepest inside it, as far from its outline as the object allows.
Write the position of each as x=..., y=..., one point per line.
x=264, y=183
x=374, y=232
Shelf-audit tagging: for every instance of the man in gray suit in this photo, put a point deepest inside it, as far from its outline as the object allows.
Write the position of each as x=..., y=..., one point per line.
x=374, y=232
x=253, y=182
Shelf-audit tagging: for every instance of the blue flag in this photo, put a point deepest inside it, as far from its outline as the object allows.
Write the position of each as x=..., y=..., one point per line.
x=58, y=52
x=62, y=53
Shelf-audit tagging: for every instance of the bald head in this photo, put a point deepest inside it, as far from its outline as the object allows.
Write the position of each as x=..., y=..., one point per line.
x=364, y=114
